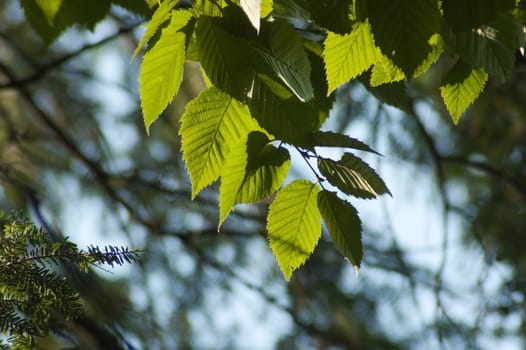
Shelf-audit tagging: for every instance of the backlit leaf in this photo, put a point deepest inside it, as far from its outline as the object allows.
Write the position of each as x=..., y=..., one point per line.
x=294, y=225
x=50, y=8
x=162, y=68
x=347, y=56
x=343, y=224
x=462, y=86
x=254, y=170
x=211, y=123
x=161, y=15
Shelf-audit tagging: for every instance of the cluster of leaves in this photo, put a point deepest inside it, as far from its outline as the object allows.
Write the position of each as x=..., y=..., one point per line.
x=35, y=297
x=272, y=68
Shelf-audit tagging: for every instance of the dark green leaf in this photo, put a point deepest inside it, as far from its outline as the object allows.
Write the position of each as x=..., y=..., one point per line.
x=332, y=15
x=352, y=176
x=402, y=30
x=464, y=15
x=343, y=224
x=282, y=115
x=219, y=53
x=492, y=47
x=331, y=139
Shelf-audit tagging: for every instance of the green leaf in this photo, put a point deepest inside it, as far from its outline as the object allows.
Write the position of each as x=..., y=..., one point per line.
x=464, y=15
x=347, y=56
x=332, y=15
x=252, y=9
x=254, y=170
x=393, y=94
x=280, y=114
x=294, y=225
x=287, y=57
x=219, y=53
x=50, y=8
x=81, y=12
x=492, y=47
x=213, y=8
x=160, y=16
x=352, y=176
x=162, y=68
x=402, y=30
x=437, y=49
x=343, y=224
x=461, y=87
x=211, y=123
x=385, y=71
x=331, y=139
x=266, y=8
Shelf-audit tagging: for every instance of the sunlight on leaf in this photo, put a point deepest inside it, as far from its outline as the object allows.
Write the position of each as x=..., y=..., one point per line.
x=294, y=225
x=162, y=69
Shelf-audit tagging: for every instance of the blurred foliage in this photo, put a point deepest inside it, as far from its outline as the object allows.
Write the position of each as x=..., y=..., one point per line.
x=73, y=154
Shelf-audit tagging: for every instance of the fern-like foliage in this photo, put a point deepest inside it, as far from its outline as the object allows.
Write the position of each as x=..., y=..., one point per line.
x=35, y=297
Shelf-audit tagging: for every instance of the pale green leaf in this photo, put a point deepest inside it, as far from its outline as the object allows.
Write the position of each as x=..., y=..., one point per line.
x=294, y=225
x=210, y=7
x=266, y=8
x=352, y=176
x=288, y=58
x=50, y=8
x=463, y=85
x=331, y=139
x=211, y=123
x=385, y=71
x=402, y=30
x=437, y=48
x=254, y=170
x=347, y=56
x=162, y=68
x=160, y=16
x=343, y=224
x=252, y=9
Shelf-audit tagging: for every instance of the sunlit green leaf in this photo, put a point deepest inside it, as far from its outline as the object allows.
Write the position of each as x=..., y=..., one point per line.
x=462, y=86
x=294, y=225
x=162, y=68
x=253, y=171
x=385, y=71
x=343, y=224
x=352, y=176
x=50, y=8
x=347, y=56
x=160, y=16
x=211, y=123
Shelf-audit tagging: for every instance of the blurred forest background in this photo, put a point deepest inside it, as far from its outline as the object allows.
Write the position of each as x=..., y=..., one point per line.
x=444, y=263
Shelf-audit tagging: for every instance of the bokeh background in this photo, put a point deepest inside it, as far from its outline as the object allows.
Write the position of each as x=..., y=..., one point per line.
x=444, y=258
